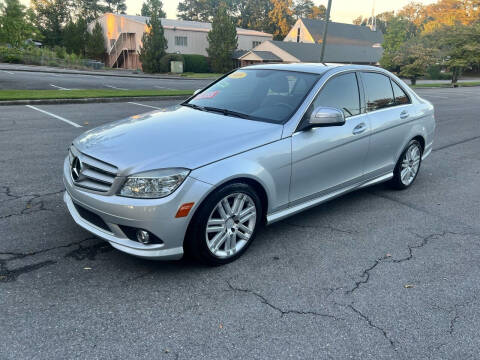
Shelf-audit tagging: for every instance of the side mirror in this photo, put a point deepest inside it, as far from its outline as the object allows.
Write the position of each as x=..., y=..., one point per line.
x=325, y=116
x=196, y=92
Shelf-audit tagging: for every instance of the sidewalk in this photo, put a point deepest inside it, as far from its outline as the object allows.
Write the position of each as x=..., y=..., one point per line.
x=113, y=73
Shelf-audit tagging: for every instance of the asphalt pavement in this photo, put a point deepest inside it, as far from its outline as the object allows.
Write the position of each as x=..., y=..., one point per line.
x=11, y=78
x=376, y=274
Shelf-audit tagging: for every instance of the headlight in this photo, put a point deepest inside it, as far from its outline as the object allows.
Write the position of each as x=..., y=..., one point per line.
x=154, y=184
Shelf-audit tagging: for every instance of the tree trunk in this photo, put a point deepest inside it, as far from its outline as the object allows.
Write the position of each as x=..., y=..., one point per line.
x=455, y=76
x=413, y=81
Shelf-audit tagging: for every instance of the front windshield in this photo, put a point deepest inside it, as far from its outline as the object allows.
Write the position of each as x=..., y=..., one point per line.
x=265, y=95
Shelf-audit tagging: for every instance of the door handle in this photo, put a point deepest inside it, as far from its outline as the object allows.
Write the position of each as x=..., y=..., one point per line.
x=404, y=114
x=359, y=129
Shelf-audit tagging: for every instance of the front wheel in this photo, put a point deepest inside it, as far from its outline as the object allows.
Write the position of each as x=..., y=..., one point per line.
x=225, y=224
x=408, y=166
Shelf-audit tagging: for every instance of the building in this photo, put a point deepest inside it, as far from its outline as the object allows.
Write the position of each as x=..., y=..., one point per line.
x=346, y=44
x=123, y=34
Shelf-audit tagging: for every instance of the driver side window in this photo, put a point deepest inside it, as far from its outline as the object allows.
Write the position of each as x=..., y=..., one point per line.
x=341, y=92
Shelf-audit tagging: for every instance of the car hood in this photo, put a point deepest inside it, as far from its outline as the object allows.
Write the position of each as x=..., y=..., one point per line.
x=175, y=137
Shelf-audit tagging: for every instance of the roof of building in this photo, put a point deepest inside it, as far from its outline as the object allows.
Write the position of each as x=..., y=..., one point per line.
x=190, y=25
x=266, y=55
x=352, y=32
x=334, y=53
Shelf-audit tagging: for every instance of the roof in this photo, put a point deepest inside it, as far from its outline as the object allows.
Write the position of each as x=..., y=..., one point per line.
x=266, y=55
x=354, y=33
x=190, y=25
x=334, y=53
x=237, y=54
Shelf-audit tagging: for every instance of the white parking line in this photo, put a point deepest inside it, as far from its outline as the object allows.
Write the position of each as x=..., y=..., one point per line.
x=163, y=87
x=55, y=116
x=8, y=72
x=59, y=87
x=149, y=106
x=114, y=87
x=435, y=96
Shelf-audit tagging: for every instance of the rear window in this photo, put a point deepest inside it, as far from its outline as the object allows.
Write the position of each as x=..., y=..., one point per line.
x=401, y=98
x=379, y=91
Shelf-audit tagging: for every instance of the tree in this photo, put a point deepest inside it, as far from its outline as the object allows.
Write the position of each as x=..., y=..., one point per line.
x=307, y=9
x=281, y=18
x=95, y=45
x=89, y=10
x=154, y=45
x=222, y=41
x=205, y=10
x=413, y=59
x=451, y=13
x=75, y=36
x=50, y=18
x=149, y=5
x=116, y=6
x=15, y=27
x=399, y=31
x=382, y=20
x=459, y=47
x=254, y=15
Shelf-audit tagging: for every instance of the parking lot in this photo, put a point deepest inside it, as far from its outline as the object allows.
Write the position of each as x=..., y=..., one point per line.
x=376, y=274
x=11, y=78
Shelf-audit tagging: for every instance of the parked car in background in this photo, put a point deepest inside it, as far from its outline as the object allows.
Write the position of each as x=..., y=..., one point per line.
x=258, y=145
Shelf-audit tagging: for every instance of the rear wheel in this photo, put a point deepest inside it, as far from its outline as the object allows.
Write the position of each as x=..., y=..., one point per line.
x=408, y=166
x=225, y=224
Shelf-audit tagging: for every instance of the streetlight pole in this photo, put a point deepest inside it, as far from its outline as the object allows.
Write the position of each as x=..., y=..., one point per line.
x=324, y=42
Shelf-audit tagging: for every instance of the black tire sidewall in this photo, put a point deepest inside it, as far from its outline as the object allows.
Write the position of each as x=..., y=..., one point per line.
x=196, y=245
x=397, y=177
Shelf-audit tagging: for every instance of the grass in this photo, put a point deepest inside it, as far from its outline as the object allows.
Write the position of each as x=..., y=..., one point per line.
x=201, y=75
x=460, y=84
x=85, y=94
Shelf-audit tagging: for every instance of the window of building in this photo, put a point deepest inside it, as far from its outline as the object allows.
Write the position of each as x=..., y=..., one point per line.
x=181, y=41
x=298, y=35
x=341, y=93
x=255, y=43
x=379, y=91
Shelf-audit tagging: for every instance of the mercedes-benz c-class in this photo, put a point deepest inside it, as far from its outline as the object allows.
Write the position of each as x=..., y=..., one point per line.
x=258, y=145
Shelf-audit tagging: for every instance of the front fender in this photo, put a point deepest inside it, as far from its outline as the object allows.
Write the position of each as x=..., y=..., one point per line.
x=269, y=165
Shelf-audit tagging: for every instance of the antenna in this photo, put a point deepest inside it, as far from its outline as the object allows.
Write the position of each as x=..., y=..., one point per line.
x=373, y=25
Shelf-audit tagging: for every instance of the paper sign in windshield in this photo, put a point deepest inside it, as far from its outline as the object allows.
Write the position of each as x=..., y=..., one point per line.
x=207, y=95
x=238, y=75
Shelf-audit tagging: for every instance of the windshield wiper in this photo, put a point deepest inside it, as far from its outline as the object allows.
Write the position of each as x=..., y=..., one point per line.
x=227, y=112
x=193, y=106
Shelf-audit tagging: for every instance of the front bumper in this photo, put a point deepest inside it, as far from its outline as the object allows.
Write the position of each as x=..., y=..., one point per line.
x=154, y=215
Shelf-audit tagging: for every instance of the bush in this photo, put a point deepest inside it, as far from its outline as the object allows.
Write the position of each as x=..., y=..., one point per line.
x=11, y=55
x=196, y=64
x=165, y=61
x=435, y=73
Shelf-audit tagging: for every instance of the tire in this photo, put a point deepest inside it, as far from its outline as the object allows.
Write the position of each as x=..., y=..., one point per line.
x=408, y=166
x=228, y=236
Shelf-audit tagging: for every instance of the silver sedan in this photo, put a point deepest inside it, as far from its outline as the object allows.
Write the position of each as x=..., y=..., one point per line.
x=258, y=145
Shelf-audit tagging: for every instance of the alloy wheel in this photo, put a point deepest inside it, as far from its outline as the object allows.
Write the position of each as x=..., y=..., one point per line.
x=231, y=225
x=410, y=164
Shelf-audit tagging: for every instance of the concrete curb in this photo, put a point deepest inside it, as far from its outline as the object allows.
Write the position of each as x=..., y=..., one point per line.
x=67, y=72
x=89, y=100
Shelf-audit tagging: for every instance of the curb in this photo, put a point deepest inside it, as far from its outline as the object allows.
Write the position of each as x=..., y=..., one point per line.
x=89, y=100
x=107, y=74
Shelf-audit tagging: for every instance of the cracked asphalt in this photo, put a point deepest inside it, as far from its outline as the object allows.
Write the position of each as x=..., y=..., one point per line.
x=376, y=274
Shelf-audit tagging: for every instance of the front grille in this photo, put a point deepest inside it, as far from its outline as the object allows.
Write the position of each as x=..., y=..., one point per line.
x=95, y=174
x=91, y=217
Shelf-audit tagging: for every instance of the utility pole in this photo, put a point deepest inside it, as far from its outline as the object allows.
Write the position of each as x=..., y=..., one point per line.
x=324, y=42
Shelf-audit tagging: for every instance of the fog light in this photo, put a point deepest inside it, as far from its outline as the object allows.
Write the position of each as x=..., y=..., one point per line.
x=143, y=237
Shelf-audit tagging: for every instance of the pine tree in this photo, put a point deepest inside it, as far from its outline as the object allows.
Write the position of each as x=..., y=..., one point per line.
x=75, y=36
x=95, y=47
x=222, y=41
x=149, y=6
x=116, y=6
x=154, y=45
x=15, y=28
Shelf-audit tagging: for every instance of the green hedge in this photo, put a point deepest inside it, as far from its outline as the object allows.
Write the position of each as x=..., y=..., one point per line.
x=11, y=55
x=165, y=61
x=196, y=64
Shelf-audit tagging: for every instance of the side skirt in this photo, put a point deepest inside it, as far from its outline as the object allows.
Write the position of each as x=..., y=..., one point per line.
x=282, y=214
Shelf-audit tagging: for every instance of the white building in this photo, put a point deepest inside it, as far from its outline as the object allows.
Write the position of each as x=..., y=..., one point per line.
x=123, y=34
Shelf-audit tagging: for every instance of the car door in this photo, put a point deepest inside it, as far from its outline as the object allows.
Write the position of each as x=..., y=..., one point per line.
x=389, y=110
x=326, y=159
